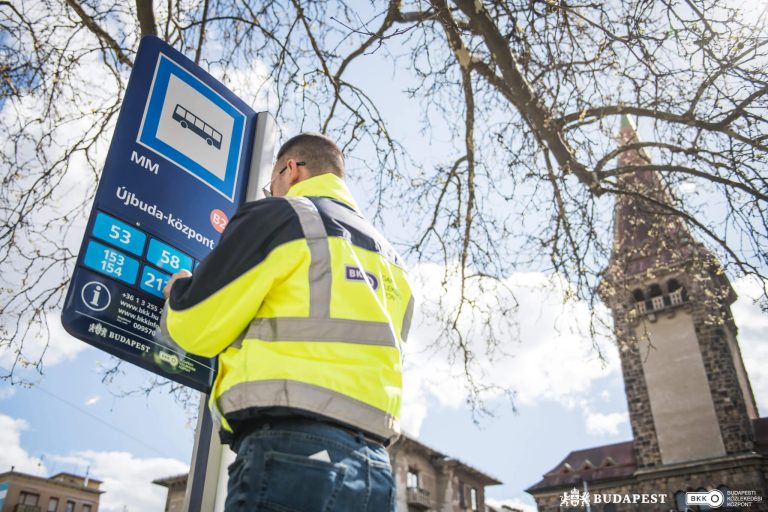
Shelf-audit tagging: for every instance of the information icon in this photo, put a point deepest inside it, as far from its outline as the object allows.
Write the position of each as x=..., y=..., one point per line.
x=96, y=296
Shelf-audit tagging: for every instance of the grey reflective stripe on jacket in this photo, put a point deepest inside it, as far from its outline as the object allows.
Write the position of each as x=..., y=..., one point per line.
x=322, y=329
x=320, y=266
x=301, y=395
x=319, y=326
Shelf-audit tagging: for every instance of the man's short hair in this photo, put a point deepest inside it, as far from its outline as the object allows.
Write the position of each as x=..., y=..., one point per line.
x=320, y=153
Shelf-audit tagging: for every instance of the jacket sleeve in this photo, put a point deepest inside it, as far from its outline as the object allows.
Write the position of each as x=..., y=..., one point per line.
x=205, y=313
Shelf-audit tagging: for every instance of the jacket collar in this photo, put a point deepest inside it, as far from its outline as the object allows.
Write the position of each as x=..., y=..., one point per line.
x=324, y=185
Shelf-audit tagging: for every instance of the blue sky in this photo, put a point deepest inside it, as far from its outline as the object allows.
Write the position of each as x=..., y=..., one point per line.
x=566, y=399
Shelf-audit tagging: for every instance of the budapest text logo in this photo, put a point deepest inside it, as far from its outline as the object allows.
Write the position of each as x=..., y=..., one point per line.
x=575, y=498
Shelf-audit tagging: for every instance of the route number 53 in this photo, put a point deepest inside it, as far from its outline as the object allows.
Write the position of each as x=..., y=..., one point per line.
x=121, y=235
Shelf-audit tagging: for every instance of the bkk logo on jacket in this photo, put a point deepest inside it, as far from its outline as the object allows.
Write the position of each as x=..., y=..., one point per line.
x=355, y=274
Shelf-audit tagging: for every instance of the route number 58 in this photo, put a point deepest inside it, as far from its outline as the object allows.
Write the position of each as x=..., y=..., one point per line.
x=172, y=260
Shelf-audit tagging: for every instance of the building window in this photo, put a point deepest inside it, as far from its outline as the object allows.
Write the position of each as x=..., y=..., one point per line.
x=87, y=508
x=473, y=499
x=53, y=504
x=412, y=482
x=680, y=501
x=70, y=506
x=28, y=498
x=462, y=498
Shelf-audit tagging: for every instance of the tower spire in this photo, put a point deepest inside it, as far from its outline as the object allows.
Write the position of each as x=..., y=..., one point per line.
x=646, y=232
x=671, y=306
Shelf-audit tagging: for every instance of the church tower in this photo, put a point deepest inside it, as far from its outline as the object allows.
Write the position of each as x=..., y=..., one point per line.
x=688, y=393
x=693, y=416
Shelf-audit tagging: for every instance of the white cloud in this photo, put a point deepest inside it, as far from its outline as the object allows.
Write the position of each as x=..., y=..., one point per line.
x=600, y=425
x=93, y=400
x=127, y=479
x=513, y=504
x=7, y=391
x=753, y=331
x=546, y=356
x=687, y=187
x=49, y=342
x=12, y=454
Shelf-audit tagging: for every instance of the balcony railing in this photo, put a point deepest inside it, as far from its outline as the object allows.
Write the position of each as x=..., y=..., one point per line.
x=20, y=507
x=661, y=302
x=418, y=497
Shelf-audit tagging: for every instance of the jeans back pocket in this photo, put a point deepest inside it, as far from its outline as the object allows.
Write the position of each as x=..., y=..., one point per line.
x=295, y=483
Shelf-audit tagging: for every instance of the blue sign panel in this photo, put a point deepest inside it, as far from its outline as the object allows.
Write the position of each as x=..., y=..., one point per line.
x=167, y=258
x=188, y=123
x=153, y=281
x=111, y=262
x=175, y=173
x=119, y=233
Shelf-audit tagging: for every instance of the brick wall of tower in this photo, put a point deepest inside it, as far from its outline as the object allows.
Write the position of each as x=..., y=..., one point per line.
x=708, y=296
x=646, y=445
x=711, y=318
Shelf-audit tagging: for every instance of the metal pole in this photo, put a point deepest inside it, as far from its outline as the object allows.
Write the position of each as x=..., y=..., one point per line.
x=207, y=481
x=205, y=455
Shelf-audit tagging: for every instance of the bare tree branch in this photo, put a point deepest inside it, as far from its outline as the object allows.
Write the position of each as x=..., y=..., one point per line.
x=105, y=38
x=146, y=15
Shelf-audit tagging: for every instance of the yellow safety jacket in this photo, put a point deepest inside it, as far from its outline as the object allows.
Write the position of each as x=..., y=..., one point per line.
x=306, y=305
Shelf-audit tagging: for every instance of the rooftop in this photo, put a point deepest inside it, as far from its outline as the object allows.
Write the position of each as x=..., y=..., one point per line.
x=68, y=480
x=440, y=457
x=597, y=463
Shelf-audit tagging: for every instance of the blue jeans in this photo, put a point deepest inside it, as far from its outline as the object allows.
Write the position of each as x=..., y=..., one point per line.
x=308, y=466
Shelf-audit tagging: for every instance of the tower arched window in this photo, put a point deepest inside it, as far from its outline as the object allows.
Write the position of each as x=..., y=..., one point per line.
x=638, y=298
x=657, y=296
x=677, y=293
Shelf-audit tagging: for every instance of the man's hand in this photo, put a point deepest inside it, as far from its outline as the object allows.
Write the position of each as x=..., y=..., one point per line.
x=178, y=275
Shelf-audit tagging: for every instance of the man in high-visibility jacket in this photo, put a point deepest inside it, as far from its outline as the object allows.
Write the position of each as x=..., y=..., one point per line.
x=306, y=306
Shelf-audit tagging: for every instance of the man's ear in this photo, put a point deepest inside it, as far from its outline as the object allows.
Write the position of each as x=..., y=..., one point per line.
x=295, y=174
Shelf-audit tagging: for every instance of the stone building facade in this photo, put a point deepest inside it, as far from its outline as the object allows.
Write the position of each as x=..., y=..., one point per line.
x=177, y=487
x=426, y=480
x=63, y=492
x=693, y=415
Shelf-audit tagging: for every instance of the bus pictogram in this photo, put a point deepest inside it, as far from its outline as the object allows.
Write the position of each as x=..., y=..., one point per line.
x=189, y=120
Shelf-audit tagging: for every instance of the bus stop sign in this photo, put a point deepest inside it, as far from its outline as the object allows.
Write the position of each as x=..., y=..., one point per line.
x=175, y=173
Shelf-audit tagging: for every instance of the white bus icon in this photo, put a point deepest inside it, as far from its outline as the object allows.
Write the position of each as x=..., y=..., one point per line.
x=197, y=126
